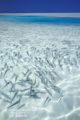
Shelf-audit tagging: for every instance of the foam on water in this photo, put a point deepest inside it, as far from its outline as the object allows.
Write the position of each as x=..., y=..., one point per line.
x=39, y=71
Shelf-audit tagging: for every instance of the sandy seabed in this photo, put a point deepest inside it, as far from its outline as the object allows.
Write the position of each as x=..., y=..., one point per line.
x=39, y=71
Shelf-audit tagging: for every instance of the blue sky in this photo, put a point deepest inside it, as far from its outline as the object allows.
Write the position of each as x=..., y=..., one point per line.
x=39, y=6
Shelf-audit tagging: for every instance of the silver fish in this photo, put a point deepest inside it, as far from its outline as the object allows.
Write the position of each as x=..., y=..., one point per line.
x=17, y=102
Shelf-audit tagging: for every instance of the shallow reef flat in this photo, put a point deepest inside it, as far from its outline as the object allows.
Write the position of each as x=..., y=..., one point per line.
x=39, y=71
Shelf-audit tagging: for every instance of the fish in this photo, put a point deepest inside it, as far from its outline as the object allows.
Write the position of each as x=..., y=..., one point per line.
x=35, y=96
x=7, y=83
x=57, y=89
x=6, y=71
x=17, y=102
x=8, y=101
x=47, y=100
x=48, y=91
x=14, y=96
x=24, y=90
x=5, y=95
x=21, y=83
x=21, y=106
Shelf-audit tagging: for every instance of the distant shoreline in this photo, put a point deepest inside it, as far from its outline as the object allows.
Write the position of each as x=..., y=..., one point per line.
x=45, y=14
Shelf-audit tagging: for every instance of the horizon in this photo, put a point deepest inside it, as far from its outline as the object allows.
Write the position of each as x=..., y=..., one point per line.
x=45, y=14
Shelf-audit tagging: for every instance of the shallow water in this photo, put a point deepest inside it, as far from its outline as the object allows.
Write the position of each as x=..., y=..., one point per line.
x=39, y=69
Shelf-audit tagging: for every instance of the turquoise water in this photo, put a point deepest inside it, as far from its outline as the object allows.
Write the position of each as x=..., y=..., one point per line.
x=41, y=19
x=39, y=68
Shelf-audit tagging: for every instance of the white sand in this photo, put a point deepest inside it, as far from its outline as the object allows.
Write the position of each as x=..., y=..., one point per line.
x=48, y=57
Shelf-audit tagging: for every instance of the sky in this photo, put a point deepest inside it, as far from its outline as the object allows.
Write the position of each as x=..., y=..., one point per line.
x=39, y=6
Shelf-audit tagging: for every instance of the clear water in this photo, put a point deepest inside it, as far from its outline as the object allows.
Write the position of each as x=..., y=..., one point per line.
x=39, y=68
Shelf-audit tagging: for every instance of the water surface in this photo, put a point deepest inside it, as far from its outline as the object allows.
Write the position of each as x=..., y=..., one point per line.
x=39, y=68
